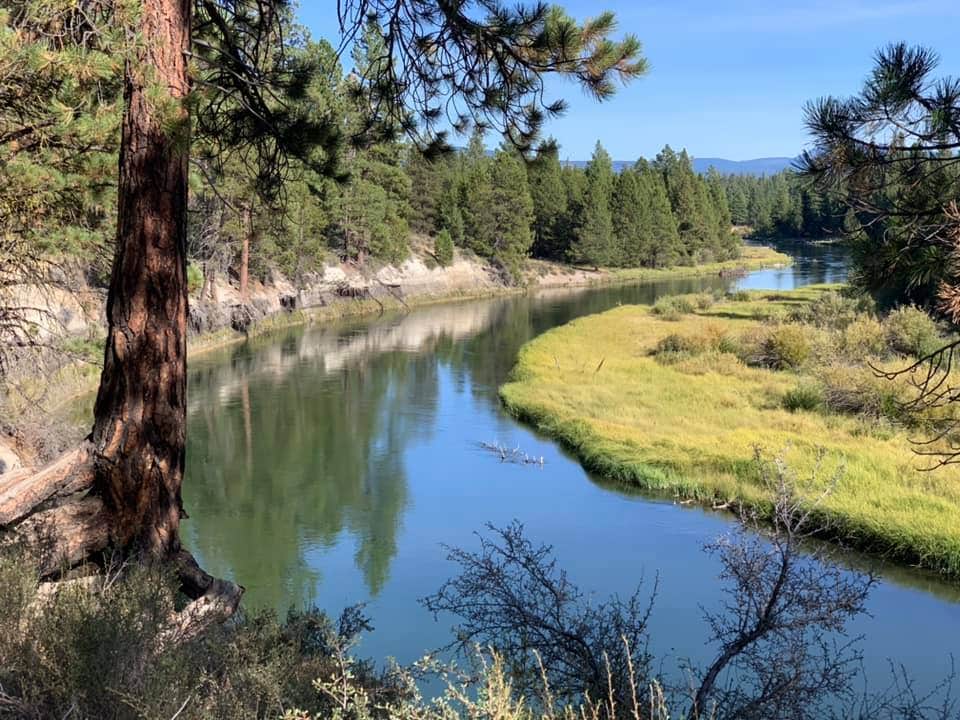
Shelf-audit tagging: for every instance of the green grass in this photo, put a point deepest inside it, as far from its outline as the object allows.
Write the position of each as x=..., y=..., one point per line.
x=752, y=257
x=689, y=427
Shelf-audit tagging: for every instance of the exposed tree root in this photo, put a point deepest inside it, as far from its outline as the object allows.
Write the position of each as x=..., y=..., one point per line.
x=214, y=601
x=53, y=515
x=64, y=536
x=22, y=491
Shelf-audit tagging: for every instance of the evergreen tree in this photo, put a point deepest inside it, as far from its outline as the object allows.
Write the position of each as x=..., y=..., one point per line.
x=477, y=202
x=594, y=244
x=630, y=211
x=443, y=248
x=549, y=201
x=429, y=177
x=449, y=214
x=511, y=211
x=727, y=245
x=575, y=189
x=666, y=248
x=681, y=186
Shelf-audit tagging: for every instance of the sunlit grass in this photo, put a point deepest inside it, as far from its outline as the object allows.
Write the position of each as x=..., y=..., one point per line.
x=752, y=257
x=690, y=428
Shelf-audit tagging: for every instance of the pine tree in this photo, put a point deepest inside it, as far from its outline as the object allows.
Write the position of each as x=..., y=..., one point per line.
x=512, y=211
x=428, y=176
x=477, y=199
x=727, y=245
x=443, y=248
x=575, y=189
x=631, y=220
x=549, y=201
x=449, y=214
x=682, y=194
x=666, y=248
x=594, y=245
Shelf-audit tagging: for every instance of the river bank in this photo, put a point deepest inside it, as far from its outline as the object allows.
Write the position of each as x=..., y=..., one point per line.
x=30, y=435
x=417, y=283
x=664, y=402
x=333, y=463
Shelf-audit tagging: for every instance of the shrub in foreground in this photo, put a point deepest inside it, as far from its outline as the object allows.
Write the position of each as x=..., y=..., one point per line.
x=806, y=396
x=910, y=331
x=780, y=346
x=856, y=390
x=676, y=343
x=834, y=310
x=863, y=338
x=672, y=307
x=107, y=652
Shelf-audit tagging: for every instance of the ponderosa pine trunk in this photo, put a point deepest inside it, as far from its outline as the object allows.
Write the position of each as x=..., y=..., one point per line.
x=139, y=433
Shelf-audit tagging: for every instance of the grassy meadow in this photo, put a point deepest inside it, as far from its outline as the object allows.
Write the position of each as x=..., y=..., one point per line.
x=676, y=398
x=752, y=257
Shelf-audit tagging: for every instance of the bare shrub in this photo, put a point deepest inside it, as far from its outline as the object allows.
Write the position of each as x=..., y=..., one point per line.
x=782, y=648
x=513, y=597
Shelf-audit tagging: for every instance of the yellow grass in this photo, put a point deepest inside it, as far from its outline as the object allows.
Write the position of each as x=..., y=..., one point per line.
x=690, y=428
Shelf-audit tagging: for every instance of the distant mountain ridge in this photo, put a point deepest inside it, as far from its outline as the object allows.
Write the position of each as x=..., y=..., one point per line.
x=757, y=166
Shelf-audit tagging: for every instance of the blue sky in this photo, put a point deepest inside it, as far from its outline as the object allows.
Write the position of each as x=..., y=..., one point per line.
x=729, y=79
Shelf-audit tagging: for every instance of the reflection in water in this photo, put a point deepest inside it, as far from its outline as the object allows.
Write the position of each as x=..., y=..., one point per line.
x=329, y=464
x=815, y=263
x=294, y=439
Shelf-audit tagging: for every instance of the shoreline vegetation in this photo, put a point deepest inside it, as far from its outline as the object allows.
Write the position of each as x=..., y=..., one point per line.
x=79, y=376
x=678, y=397
x=753, y=257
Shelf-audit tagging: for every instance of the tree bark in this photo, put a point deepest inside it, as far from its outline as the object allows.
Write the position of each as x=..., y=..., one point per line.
x=139, y=434
x=121, y=488
x=245, y=254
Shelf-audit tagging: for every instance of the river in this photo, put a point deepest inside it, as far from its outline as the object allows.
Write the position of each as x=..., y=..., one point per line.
x=329, y=465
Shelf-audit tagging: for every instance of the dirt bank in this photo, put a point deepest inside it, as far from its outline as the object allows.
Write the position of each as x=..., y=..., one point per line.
x=219, y=317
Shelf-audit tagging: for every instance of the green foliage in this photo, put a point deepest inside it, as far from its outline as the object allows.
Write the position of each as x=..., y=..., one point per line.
x=784, y=205
x=512, y=211
x=863, y=338
x=806, y=396
x=60, y=105
x=476, y=193
x=449, y=214
x=781, y=346
x=594, y=244
x=889, y=155
x=109, y=654
x=672, y=307
x=550, y=203
x=443, y=248
x=834, y=310
x=911, y=331
x=194, y=278
x=699, y=209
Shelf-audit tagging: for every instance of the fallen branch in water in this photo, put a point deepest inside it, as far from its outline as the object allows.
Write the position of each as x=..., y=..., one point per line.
x=514, y=455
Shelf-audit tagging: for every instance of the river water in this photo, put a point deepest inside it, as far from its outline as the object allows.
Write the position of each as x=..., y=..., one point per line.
x=330, y=465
